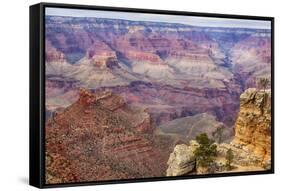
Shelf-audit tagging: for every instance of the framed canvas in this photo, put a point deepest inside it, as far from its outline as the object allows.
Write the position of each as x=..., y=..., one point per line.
x=131, y=95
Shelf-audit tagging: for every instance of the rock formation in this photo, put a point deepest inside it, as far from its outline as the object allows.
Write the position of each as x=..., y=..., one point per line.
x=100, y=137
x=251, y=145
x=182, y=160
x=253, y=125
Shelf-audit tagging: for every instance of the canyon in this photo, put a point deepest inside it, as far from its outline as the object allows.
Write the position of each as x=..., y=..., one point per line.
x=173, y=70
x=125, y=99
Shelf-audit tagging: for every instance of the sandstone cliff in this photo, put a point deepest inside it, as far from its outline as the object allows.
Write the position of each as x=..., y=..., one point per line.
x=253, y=125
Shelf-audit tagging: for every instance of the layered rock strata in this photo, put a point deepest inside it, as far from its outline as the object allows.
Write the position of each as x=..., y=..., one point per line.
x=100, y=137
x=253, y=125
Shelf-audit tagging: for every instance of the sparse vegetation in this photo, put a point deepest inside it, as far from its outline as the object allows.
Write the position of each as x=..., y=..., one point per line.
x=263, y=83
x=217, y=134
x=229, y=159
x=206, y=151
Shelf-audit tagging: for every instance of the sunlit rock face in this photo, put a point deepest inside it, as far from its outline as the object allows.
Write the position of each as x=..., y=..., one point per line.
x=253, y=125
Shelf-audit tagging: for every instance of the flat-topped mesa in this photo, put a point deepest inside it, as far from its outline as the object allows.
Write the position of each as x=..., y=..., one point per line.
x=104, y=60
x=143, y=56
x=253, y=125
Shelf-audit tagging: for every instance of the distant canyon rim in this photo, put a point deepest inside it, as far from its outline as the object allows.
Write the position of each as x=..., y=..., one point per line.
x=172, y=70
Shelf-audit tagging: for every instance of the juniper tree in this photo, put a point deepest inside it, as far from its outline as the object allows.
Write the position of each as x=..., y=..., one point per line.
x=206, y=151
x=263, y=83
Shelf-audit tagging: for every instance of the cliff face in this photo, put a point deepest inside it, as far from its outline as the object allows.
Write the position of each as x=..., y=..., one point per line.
x=253, y=125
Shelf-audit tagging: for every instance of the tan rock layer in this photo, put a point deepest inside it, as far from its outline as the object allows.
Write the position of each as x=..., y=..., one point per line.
x=253, y=125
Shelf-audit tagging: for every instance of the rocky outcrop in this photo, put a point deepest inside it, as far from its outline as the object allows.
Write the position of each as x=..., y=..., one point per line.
x=100, y=137
x=253, y=125
x=182, y=160
x=251, y=145
x=252, y=140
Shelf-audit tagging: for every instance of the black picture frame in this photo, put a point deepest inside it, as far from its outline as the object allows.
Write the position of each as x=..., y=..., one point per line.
x=37, y=93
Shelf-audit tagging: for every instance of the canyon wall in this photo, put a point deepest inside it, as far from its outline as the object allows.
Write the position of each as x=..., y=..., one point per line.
x=173, y=70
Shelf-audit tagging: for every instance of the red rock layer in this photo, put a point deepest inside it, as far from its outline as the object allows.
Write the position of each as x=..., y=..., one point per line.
x=99, y=138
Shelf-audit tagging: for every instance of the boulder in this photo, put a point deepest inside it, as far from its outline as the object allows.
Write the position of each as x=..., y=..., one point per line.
x=182, y=160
